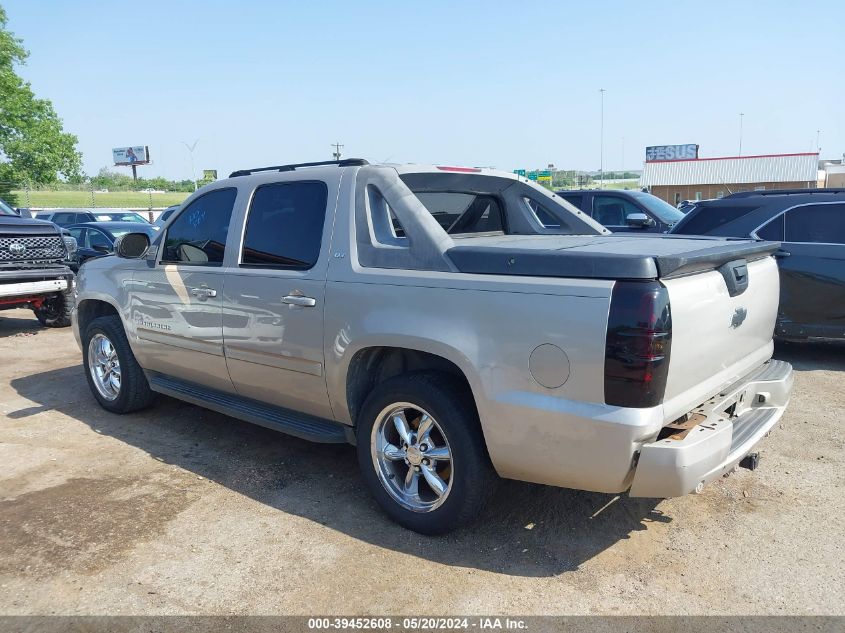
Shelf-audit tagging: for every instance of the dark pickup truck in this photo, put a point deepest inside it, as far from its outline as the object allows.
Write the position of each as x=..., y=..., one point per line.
x=33, y=270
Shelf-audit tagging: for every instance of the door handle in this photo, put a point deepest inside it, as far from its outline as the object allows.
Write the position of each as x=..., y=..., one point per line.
x=299, y=300
x=780, y=253
x=203, y=293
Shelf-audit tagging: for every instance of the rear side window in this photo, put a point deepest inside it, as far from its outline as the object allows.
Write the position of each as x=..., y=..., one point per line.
x=284, y=228
x=773, y=230
x=817, y=223
x=576, y=199
x=68, y=218
x=543, y=215
x=198, y=235
x=459, y=212
x=704, y=219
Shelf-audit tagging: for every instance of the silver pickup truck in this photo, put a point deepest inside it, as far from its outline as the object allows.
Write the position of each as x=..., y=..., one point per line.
x=455, y=324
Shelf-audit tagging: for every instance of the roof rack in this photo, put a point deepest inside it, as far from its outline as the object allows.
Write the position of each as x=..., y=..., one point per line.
x=346, y=162
x=778, y=192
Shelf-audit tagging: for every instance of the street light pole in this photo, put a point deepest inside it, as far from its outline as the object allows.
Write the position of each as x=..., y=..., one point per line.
x=191, y=149
x=741, y=116
x=601, y=142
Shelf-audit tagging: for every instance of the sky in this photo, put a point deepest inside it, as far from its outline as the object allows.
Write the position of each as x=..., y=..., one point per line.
x=502, y=84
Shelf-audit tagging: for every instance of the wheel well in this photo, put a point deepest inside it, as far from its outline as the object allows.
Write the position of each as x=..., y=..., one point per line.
x=90, y=309
x=373, y=365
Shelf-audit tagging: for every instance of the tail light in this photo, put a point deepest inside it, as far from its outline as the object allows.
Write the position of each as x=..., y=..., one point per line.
x=639, y=338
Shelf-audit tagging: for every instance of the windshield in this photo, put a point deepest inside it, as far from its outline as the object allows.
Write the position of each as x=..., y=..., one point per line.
x=5, y=209
x=665, y=212
x=116, y=233
x=120, y=217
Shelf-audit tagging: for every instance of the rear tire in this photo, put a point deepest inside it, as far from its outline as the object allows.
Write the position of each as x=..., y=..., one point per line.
x=55, y=311
x=434, y=475
x=114, y=376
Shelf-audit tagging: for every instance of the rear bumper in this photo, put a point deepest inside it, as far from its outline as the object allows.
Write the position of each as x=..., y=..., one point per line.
x=723, y=431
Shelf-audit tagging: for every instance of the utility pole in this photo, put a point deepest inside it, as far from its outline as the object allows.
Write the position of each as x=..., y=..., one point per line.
x=741, y=116
x=818, y=147
x=191, y=149
x=336, y=152
x=601, y=142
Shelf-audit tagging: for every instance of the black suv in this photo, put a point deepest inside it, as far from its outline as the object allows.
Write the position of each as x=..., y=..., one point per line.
x=33, y=270
x=810, y=224
x=622, y=210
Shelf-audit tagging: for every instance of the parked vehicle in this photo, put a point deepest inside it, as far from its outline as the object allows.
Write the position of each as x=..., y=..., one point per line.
x=623, y=210
x=164, y=216
x=811, y=225
x=33, y=270
x=68, y=217
x=95, y=239
x=684, y=206
x=428, y=316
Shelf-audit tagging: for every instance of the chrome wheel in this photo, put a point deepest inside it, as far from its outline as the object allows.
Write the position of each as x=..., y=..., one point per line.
x=412, y=457
x=104, y=366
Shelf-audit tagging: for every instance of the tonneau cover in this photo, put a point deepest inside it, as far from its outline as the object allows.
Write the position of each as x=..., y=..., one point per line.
x=619, y=256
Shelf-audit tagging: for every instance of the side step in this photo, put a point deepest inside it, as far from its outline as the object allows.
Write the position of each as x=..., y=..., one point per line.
x=307, y=427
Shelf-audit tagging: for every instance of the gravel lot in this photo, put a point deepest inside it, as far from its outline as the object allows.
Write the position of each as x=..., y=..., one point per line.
x=178, y=510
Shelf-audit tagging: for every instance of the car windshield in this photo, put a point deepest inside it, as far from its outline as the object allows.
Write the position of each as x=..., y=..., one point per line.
x=116, y=233
x=664, y=211
x=119, y=217
x=5, y=209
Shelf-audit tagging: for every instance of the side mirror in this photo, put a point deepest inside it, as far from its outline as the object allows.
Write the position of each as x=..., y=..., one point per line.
x=132, y=245
x=639, y=220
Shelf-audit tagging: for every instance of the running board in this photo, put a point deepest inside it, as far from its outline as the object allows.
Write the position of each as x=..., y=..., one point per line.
x=304, y=426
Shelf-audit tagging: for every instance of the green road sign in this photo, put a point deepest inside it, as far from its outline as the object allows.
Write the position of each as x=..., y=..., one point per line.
x=519, y=172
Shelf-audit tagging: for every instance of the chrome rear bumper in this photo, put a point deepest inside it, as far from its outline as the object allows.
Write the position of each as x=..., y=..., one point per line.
x=728, y=427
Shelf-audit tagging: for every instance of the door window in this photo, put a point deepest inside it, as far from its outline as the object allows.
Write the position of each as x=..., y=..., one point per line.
x=68, y=218
x=284, y=228
x=97, y=238
x=198, y=235
x=79, y=235
x=817, y=223
x=613, y=210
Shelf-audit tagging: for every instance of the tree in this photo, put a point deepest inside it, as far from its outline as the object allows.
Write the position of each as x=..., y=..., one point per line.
x=33, y=146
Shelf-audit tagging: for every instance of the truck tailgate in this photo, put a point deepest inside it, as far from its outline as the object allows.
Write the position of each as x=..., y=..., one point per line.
x=717, y=338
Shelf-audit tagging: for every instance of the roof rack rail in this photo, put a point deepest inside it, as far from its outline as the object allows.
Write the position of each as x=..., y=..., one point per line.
x=777, y=192
x=346, y=162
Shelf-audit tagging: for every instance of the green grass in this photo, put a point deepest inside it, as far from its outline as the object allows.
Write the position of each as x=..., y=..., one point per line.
x=118, y=199
x=625, y=184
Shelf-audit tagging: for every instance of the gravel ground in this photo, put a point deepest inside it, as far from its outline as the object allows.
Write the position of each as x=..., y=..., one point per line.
x=178, y=510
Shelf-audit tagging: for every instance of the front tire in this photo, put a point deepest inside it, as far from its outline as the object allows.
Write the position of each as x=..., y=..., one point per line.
x=422, y=453
x=114, y=376
x=55, y=311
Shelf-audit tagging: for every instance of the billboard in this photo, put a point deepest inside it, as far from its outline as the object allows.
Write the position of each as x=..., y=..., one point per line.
x=135, y=155
x=658, y=153
x=209, y=174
